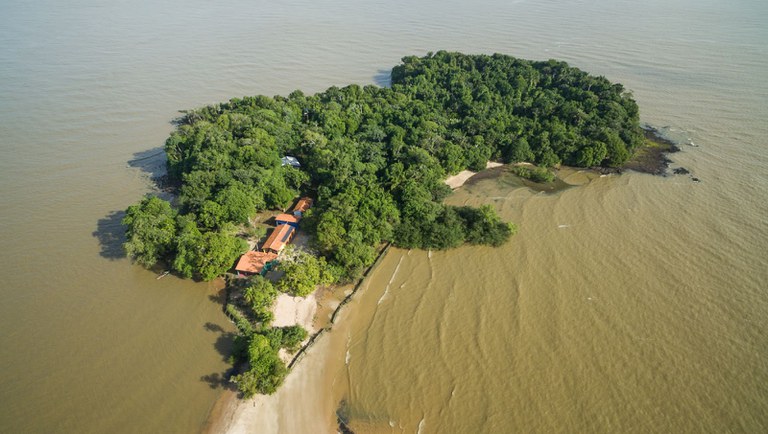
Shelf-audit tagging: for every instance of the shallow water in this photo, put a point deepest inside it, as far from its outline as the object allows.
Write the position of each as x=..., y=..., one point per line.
x=631, y=303
x=591, y=320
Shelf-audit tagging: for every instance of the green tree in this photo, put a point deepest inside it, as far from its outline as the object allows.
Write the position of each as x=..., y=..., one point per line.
x=206, y=255
x=484, y=226
x=277, y=193
x=535, y=174
x=150, y=230
x=260, y=294
x=212, y=215
x=218, y=253
x=304, y=273
x=189, y=243
x=266, y=371
x=237, y=203
x=292, y=337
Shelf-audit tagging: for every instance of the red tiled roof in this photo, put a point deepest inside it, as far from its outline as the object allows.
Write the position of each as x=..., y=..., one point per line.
x=286, y=218
x=253, y=262
x=279, y=238
x=303, y=204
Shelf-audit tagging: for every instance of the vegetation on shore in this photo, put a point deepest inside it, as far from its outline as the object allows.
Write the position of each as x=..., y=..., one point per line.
x=651, y=157
x=257, y=345
x=375, y=160
x=535, y=174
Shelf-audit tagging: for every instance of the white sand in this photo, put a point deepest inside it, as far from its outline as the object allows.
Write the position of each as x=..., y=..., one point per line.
x=295, y=310
x=302, y=404
x=260, y=411
x=460, y=178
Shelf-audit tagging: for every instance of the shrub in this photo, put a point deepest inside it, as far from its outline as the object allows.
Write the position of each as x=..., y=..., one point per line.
x=535, y=174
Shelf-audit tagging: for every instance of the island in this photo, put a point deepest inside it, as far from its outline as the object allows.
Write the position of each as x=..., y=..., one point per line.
x=372, y=162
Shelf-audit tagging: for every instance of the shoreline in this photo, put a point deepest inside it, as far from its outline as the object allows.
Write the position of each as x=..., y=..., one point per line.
x=651, y=158
x=462, y=177
x=264, y=413
x=304, y=385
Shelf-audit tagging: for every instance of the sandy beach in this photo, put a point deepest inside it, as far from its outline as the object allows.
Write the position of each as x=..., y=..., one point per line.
x=460, y=178
x=303, y=403
x=290, y=310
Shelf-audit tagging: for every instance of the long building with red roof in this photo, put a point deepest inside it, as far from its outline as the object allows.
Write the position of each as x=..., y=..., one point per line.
x=282, y=235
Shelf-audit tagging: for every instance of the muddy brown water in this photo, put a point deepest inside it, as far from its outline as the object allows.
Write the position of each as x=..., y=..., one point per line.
x=630, y=303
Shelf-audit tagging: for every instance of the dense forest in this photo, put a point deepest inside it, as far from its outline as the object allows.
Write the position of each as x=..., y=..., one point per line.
x=375, y=159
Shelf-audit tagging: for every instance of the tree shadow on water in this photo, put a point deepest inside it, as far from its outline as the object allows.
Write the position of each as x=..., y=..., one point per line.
x=219, y=297
x=220, y=380
x=223, y=345
x=151, y=162
x=383, y=78
x=225, y=340
x=213, y=327
x=111, y=234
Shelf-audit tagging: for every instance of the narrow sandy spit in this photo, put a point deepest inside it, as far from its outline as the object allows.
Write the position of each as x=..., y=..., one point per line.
x=303, y=404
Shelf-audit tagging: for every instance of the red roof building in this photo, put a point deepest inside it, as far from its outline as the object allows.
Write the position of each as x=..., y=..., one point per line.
x=287, y=219
x=253, y=262
x=302, y=205
x=277, y=240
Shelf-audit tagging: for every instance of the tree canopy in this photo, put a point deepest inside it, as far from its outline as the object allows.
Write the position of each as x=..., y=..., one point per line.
x=303, y=273
x=375, y=158
x=151, y=230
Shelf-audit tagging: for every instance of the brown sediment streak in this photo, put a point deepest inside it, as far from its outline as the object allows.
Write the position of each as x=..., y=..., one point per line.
x=346, y=300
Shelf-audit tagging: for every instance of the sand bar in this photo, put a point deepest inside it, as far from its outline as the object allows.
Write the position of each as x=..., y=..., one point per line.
x=460, y=178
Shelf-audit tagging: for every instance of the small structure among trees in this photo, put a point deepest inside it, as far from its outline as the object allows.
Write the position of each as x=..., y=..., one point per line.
x=253, y=263
x=302, y=206
x=290, y=161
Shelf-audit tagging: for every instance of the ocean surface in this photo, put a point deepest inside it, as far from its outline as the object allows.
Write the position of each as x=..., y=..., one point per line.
x=627, y=303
